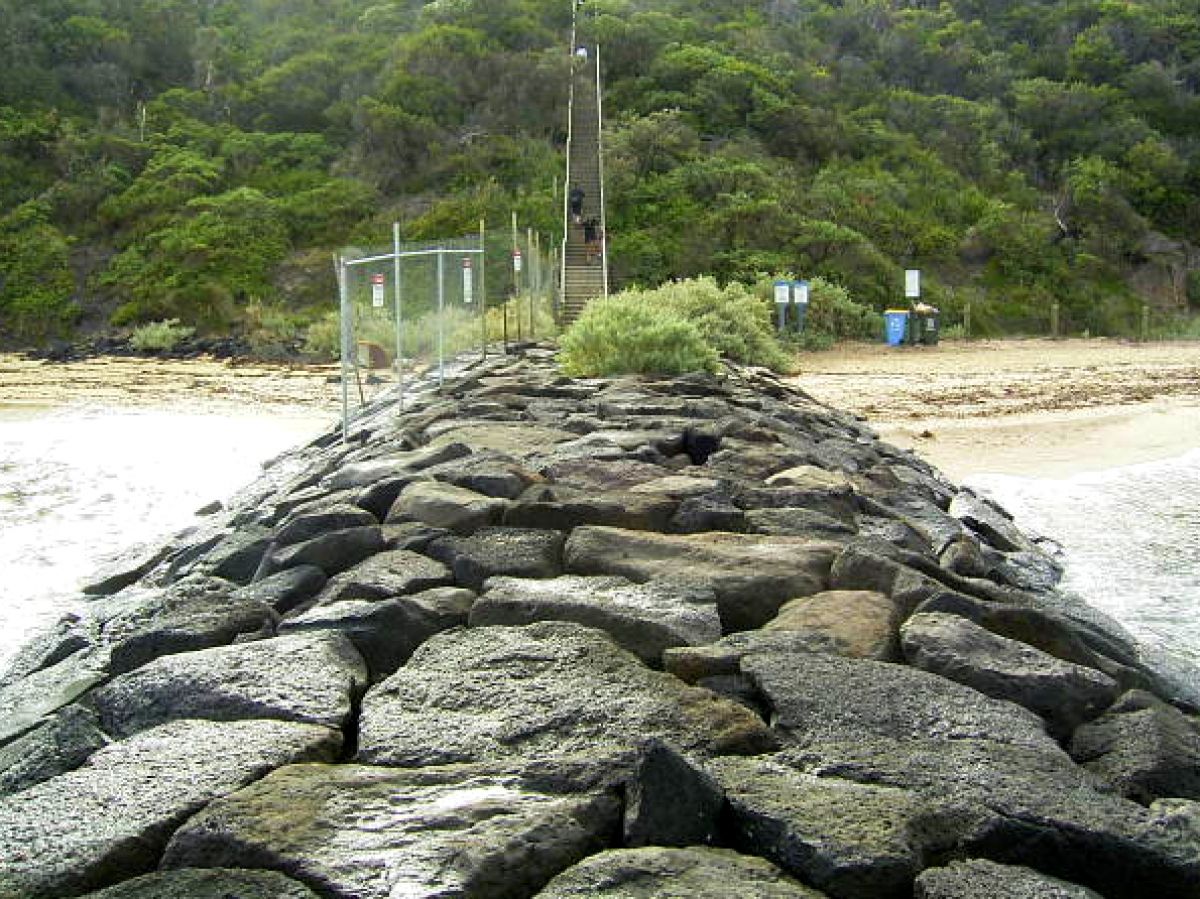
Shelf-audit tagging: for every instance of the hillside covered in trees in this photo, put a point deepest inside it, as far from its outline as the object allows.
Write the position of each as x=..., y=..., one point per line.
x=199, y=159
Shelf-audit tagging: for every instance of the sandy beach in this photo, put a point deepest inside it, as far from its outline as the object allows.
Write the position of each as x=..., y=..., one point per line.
x=1023, y=407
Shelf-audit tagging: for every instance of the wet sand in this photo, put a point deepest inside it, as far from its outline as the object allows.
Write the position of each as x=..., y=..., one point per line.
x=117, y=381
x=1023, y=407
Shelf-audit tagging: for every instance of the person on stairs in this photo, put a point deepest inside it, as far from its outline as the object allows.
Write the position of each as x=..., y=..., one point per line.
x=591, y=239
x=575, y=199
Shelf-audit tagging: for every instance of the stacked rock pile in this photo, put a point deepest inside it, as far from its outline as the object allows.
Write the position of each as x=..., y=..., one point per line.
x=538, y=636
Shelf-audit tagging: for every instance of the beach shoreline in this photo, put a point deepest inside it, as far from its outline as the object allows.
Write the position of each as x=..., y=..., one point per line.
x=1032, y=408
x=1035, y=408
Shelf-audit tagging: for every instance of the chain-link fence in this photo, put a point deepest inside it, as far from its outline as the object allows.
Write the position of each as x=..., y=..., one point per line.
x=411, y=307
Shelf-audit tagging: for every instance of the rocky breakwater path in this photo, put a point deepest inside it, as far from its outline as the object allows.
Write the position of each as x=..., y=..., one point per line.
x=546, y=637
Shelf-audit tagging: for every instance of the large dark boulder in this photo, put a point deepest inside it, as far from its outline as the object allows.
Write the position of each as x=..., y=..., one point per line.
x=1063, y=693
x=207, y=883
x=195, y=613
x=979, y=878
x=332, y=552
x=286, y=589
x=751, y=576
x=378, y=833
x=387, y=632
x=109, y=820
x=1144, y=748
x=519, y=552
x=62, y=743
x=1023, y=805
x=544, y=690
x=696, y=872
x=643, y=618
x=446, y=506
x=307, y=525
x=25, y=702
x=823, y=697
x=311, y=679
x=386, y=574
x=851, y=840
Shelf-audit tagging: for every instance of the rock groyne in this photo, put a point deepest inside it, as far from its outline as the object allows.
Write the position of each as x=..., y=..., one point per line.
x=541, y=636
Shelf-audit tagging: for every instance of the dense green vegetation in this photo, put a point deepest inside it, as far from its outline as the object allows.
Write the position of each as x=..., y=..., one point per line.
x=198, y=161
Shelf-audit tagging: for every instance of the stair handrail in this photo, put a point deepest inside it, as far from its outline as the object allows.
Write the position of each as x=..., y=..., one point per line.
x=600, y=175
x=566, y=200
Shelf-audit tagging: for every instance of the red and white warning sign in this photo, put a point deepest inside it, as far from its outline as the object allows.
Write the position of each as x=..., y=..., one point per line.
x=468, y=281
x=517, y=261
x=377, y=291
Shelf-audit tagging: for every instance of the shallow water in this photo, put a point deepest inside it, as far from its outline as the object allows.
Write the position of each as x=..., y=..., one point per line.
x=80, y=484
x=1131, y=541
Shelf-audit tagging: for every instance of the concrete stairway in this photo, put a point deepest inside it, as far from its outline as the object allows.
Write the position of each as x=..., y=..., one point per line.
x=583, y=278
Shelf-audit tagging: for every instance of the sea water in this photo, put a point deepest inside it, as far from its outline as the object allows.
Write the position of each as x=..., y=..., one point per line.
x=1130, y=541
x=82, y=484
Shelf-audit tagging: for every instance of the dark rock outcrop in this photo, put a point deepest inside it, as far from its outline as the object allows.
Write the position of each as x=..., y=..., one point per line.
x=704, y=619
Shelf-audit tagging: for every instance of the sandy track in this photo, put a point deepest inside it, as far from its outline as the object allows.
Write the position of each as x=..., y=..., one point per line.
x=1033, y=407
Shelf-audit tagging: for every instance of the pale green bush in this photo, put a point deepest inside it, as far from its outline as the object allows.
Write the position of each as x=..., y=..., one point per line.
x=625, y=334
x=160, y=336
x=732, y=320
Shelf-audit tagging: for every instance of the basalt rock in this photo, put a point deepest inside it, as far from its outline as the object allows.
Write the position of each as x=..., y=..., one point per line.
x=1144, y=748
x=643, y=618
x=1063, y=693
x=517, y=552
x=62, y=743
x=310, y=679
x=378, y=833
x=857, y=623
x=697, y=872
x=823, y=697
x=384, y=575
x=387, y=632
x=208, y=883
x=332, y=552
x=195, y=613
x=501, y=751
x=110, y=820
x=752, y=577
x=543, y=690
x=979, y=878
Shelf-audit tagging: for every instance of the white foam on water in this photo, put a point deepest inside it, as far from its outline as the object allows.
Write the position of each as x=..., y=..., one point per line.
x=79, y=485
x=1131, y=541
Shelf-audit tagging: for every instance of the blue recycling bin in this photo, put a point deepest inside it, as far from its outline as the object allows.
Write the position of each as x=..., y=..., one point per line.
x=895, y=326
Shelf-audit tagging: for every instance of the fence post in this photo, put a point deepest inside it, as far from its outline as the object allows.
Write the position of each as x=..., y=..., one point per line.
x=1054, y=319
x=1145, y=322
x=967, y=319
x=399, y=319
x=339, y=266
x=516, y=250
x=441, y=333
x=483, y=288
x=534, y=274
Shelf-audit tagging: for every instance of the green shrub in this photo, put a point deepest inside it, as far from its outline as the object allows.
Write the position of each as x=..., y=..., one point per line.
x=832, y=312
x=627, y=334
x=732, y=320
x=160, y=336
